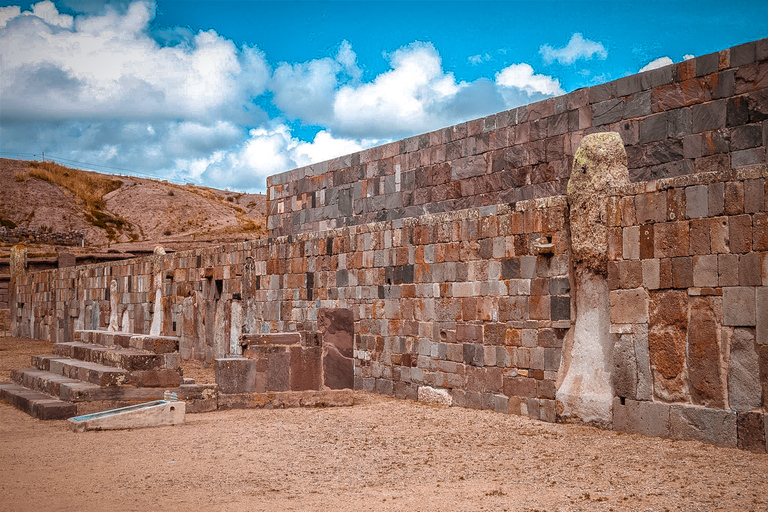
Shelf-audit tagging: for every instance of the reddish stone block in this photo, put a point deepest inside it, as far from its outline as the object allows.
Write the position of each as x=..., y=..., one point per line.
x=306, y=368
x=667, y=334
x=469, y=333
x=760, y=232
x=749, y=270
x=718, y=234
x=646, y=241
x=631, y=273
x=734, y=198
x=671, y=239
x=682, y=272
x=278, y=369
x=740, y=233
x=676, y=203
x=750, y=428
x=698, y=240
x=539, y=307
x=513, y=308
x=665, y=273
x=651, y=207
x=520, y=387
x=704, y=369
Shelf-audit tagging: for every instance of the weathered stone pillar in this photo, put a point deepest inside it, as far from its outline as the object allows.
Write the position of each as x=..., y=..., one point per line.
x=114, y=304
x=586, y=392
x=18, y=268
x=156, y=329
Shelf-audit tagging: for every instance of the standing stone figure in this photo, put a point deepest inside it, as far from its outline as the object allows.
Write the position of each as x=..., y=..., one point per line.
x=114, y=316
x=586, y=392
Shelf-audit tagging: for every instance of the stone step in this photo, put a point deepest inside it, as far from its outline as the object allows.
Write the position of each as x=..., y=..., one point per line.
x=41, y=380
x=35, y=403
x=125, y=358
x=103, y=375
x=81, y=370
x=154, y=344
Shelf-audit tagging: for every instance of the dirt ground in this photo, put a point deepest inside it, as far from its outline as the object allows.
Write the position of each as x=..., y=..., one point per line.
x=381, y=454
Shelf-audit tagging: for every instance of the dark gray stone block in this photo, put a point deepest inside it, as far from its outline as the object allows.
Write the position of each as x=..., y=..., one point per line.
x=637, y=105
x=608, y=111
x=708, y=116
x=743, y=54
x=653, y=128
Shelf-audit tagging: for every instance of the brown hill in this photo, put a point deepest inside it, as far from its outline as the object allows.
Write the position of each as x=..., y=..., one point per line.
x=125, y=214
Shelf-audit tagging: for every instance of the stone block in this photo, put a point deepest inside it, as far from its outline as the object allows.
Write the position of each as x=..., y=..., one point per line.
x=279, y=370
x=698, y=240
x=728, y=269
x=667, y=340
x=671, y=239
x=629, y=306
x=697, y=201
x=740, y=233
x=682, y=272
x=631, y=243
x=306, y=368
x=749, y=269
x=716, y=202
x=739, y=306
x=710, y=426
x=705, y=271
x=704, y=367
x=747, y=157
x=750, y=427
x=641, y=417
x=761, y=314
x=651, y=274
x=651, y=207
x=624, y=372
x=236, y=375
x=754, y=196
x=744, y=387
x=653, y=128
x=708, y=116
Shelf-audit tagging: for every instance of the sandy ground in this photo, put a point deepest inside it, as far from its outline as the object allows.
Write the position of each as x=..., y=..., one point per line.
x=381, y=454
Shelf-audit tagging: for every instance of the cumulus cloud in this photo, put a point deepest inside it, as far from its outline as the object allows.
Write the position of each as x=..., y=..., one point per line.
x=657, y=63
x=577, y=48
x=106, y=87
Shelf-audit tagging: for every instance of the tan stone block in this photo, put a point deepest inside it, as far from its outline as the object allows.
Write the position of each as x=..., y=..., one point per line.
x=718, y=233
x=651, y=274
x=705, y=271
x=629, y=306
x=631, y=243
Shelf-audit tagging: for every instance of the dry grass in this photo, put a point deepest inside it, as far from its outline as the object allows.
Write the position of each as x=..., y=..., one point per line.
x=89, y=187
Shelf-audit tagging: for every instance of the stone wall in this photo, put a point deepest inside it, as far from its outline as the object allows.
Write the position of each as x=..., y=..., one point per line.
x=700, y=115
x=477, y=304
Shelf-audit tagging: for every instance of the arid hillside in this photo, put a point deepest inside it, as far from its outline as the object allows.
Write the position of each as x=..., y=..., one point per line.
x=125, y=214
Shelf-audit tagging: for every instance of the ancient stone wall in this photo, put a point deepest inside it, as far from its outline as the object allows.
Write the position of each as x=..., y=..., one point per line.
x=488, y=300
x=700, y=115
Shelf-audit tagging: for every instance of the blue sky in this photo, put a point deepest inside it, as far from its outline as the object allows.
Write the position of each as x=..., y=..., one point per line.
x=225, y=93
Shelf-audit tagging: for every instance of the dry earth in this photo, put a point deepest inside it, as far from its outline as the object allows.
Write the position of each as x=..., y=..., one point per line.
x=157, y=212
x=381, y=454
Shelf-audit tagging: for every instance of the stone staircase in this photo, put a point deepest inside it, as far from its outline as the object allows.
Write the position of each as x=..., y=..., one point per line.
x=104, y=370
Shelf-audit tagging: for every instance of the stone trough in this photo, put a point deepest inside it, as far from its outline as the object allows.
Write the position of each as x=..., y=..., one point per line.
x=149, y=414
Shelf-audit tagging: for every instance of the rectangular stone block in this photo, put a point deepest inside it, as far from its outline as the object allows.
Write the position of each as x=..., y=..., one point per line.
x=629, y=306
x=761, y=312
x=640, y=417
x=708, y=116
x=739, y=306
x=751, y=431
x=651, y=274
x=631, y=243
x=710, y=426
x=705, y=271
x=697, y=201
x=236, y=375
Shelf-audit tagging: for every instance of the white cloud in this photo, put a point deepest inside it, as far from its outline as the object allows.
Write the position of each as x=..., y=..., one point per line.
x=577, y=48
x=656, y=64
x=106, y=87
x=108, y=66
x=478, y=59
x=522, y=76
x=688, y=56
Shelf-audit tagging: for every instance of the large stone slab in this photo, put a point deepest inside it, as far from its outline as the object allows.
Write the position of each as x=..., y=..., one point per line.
x=667, y=338
x=337, y=327
x=640, y=417
x=237, y=375
x=744, y=387
x=710, y=426
x=705, y=373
